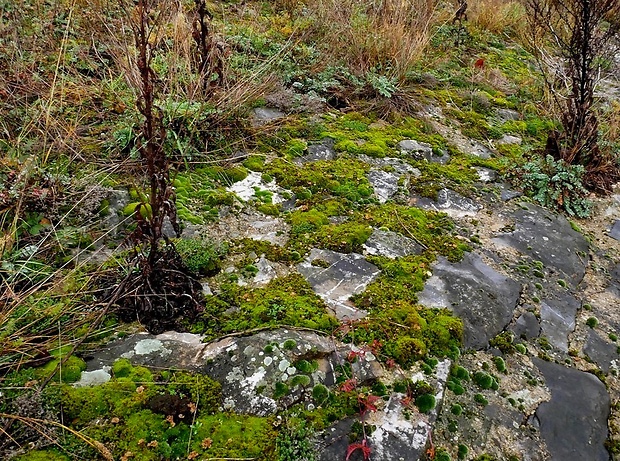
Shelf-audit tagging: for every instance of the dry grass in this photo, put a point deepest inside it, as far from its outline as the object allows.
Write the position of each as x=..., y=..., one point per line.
x=499, y=16
x=389, y=35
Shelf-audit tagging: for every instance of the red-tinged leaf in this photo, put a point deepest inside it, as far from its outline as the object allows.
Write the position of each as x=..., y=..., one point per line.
x=359, y=446
x=479, y=64
x=407, y=401
x=348, y=385
x=367, y=403
x=355, y=354
x=391, y=363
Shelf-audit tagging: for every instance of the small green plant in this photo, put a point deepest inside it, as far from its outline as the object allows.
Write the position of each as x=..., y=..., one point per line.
x=481, y=399
x=500, y=364
x=555, y=184
x=425, y=402
x=592, y=322
x=462, y=451
x=456, y=409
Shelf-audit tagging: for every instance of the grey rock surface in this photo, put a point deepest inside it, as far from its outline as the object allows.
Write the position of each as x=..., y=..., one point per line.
x=475, y=292
x=549, y=238
x=246, y=224
x=415, y=148
x=526, y=326
x=384, y=184
x=449, y=202
x=323, y=150
x=506, y=115
x=614, y=232
x=248, y=368
x=558, y=319
x=264, y=115
x=509, y=139
x=601, y=351
x=573, y=423
x=397, y=434
x=391, y=244
x=343, y=276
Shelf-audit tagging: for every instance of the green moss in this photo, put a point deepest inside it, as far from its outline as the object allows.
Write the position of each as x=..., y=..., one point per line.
x=296, y=147
x=289, y=344
x=122, y=368
x=500, y=364
x=456, y=409
x=286, y=300
x=592, y=322
x=255, y=163
x=320, y=394
x=462, y=451
x=435, y=230
x=201, y=256
x=280, y=390
x=485, y=380
x=300, y=380
x=42, y=455
x=425, y=402
x=481, y=399
x=70, y=372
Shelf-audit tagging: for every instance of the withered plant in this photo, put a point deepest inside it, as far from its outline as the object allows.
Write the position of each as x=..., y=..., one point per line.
x=160, y=292
x=573, y=39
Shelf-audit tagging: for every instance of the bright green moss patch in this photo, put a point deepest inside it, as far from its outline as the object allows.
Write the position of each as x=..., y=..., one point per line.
x=433, y=229
x=201, y=256
x=42, y=455
x=343, y=177
x=284, y=301
x=70, y=371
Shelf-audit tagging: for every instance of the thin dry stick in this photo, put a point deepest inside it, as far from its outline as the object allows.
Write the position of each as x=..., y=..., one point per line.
x=101, y=448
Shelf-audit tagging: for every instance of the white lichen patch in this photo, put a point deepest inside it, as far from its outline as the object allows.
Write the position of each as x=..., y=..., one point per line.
x=283, y=365
x=149, y=346
x=246, y=189
x=93, y=378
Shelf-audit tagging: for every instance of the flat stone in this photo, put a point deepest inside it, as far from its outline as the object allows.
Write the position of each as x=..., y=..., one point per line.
x=573, y=423
x=93, y=378
x=506, y=115
x=526, y=326
x=323, y=150
x=558, y=319
x=601, y=351
x=118, y=199
x=449, y=202
x=384, y=184
x=614, y=233
x=549, y=238
x=398, y=165
x=344, y=276
x=398, y=435
x=248, y=223
x=422, y=151
x=267, y=271
x=509, y=139
x=247, y=367
x=486, y=174
x=265, y=115
x=246, y=188
x=482, y=297
x=413, y=147
x=391, y=244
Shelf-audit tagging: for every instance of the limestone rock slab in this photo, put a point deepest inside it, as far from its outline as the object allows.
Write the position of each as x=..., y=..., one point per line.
x=549, y=238
x=573, y=423
x=482, y=297
x=335, y=277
